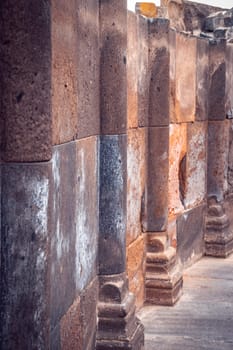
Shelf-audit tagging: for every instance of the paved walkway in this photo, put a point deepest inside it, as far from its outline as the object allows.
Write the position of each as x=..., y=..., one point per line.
x=203, y=318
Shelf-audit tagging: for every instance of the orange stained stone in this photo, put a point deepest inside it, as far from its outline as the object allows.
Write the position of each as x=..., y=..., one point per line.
x=147, y=9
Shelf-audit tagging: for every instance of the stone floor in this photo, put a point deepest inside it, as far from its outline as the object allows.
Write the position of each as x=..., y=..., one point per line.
x=203, y=318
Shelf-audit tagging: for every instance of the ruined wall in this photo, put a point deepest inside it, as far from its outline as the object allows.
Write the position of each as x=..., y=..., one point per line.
x=50, y=167
x=116, y=166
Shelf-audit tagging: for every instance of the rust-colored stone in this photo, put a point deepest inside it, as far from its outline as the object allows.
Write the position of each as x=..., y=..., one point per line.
x=136, y=269
x=185, y=104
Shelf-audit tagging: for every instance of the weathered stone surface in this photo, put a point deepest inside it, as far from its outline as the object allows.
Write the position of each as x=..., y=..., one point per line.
x=202, y=76
x=157, y=179
x=113, y=75
x=190, y=235
x=194, y=187
x=78, y=325
x=185, y=104
x=118, y=326
x=112, y=207
x=136, y=269
x=26, y=234
x=132, y=69
x=26, y=81
x=230, y=160
x=217, y=67
x=172, y=74
x=218, y=141
x=75, y=220
x=218, y=233
x=177, y=156
x=143, y=76
x=229, y=79
x=163, y=278
x=136, y=178
x=88, y=67
x=158, y=32
x=64, y=71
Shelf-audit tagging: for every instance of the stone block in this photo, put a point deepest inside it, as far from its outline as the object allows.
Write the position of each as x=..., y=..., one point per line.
x=136, y=177
x=78, y=325
x=132, y=70
x=25, y=260
x=177, y=156
x=88, y=54
x=136, y=269
x=190, y=235
x=142, y=73
x=26, y=81
x=193, y=178
x=75, y=220
x=218, y=141
x=185, y=102
x=158, y=33
x=217, y=90
x=172, y=74
x=112, y=204
x=157, y=179
x=64, y=71
x=218, y=233
x=113, y=73
x=230, y=160
x=229, y=79
x=202, y=76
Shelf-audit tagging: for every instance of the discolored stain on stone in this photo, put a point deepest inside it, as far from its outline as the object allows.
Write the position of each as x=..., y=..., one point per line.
x=75, y=215
x=25, y=261
x=136, y=178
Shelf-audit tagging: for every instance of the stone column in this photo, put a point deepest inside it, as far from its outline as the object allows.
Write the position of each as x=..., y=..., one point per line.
x=118, y=326
x=26, y=147
x=218, y=235
x=163, y=278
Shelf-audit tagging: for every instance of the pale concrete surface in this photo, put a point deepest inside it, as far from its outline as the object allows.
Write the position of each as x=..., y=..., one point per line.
x=203, y=318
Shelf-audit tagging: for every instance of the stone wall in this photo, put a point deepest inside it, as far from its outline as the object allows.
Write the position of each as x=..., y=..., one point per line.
x=116, y=165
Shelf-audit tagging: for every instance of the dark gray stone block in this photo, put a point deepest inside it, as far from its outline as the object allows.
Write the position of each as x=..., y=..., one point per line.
x=113, y=192
x=190, y=235
x=26, y=233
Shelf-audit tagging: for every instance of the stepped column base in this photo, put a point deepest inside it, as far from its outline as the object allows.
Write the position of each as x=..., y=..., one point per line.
x=118, y=326
x=218, y=235
x=164, y=279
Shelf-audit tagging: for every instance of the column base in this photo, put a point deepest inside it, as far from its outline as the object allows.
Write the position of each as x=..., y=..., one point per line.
x=118, y=326
x=218, y=235
x=164, y=279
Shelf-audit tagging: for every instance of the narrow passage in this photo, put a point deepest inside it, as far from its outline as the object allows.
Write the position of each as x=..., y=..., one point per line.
x=203, y=318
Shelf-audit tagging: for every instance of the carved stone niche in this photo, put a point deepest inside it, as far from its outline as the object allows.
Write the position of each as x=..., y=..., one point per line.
x=118, y=326
x=163, y=274
x=219, y=233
